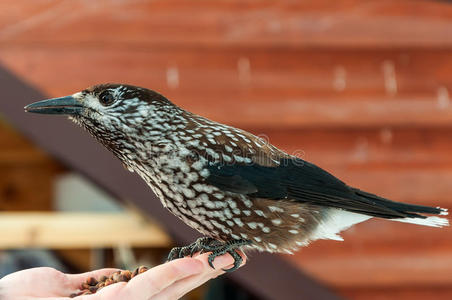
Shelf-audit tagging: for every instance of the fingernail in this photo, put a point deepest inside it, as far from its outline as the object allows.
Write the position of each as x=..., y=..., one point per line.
x=223, y=261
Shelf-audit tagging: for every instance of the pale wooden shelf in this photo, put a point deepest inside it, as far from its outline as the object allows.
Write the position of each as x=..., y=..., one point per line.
x=61, y=230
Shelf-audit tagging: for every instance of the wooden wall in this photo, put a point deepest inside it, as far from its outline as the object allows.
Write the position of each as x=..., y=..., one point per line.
x=26, y=174
x=361, y=88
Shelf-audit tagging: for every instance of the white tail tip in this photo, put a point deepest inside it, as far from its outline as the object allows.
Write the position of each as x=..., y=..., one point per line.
x=429, y=221
x=444, y=211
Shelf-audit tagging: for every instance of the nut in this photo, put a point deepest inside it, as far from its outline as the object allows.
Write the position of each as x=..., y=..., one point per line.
x=108, y=281
x=92, y=285
x=115, y=276
x=91, y=281
x=127, y=274
x=135, y=272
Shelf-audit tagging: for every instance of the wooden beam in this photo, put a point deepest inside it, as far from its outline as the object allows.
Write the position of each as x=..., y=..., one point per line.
x=60, y=230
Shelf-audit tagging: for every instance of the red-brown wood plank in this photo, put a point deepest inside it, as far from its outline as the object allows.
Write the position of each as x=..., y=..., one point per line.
x=15, y=150
x=229, y=23
x=20, y=162
x=372, y=149
x=269, y=75
x=277, y=89
x=381, y=253
x=22, y=189
x=387, y=269
x=405, y=292
x=428, y=186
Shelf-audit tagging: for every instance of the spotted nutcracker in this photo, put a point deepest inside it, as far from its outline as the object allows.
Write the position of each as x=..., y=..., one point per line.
x=232, y=186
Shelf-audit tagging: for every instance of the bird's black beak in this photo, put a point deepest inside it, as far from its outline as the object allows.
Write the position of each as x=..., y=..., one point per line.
x=62, y=106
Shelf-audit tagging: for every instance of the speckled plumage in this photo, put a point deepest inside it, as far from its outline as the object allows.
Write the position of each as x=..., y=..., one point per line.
x=170, y=149
x=224, y=182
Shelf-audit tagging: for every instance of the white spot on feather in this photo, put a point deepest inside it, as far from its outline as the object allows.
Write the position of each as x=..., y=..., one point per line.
x=275, y=209
x=238, y=222
x=259, y=213
x=277, y=222
x=272, y=245
x=204, y=173
x=252, y=225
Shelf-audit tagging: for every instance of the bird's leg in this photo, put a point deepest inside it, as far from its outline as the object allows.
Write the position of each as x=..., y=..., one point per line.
x=218, y=248
x=198, y=246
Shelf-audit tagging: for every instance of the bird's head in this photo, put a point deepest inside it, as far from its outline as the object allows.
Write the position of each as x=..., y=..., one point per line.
x=110, y=112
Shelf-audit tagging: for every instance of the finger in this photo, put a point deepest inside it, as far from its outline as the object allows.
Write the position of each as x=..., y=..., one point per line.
x=113, y=291
x=158, y=278
x=75, y=280
x=182, y=287
x=223, y=262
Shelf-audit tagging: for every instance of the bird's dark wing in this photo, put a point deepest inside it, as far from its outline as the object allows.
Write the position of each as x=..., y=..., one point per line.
x=299, y=180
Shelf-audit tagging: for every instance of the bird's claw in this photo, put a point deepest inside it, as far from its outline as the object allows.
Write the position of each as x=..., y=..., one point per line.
x=201, y=245
x=206, y=244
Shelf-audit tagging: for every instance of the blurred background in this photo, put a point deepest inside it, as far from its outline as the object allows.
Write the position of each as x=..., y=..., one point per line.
x=361, y=88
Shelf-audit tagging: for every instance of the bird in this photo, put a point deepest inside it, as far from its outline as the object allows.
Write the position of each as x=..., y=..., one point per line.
x=235, y=188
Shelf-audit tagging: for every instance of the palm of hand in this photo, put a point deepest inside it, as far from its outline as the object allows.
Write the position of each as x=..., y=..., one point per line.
x=38, y=283
x=171, y=280
x=43, y=283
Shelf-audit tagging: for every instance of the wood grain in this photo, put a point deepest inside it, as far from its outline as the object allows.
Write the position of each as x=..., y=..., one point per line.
x=79, y=230
x=20, y=162
x=204, y=23
x=286, y=89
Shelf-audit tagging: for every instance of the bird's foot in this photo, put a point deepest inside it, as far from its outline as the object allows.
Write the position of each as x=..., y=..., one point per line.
x=230, y=247
x=218, y=248
x=200, y=245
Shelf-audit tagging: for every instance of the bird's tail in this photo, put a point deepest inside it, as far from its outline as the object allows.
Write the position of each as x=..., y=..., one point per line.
x=408, y=213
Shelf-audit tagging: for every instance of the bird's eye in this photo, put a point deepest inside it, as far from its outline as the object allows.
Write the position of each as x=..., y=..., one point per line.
x=106, y=98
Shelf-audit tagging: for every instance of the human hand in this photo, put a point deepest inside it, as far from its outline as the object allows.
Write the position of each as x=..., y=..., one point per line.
x=40, y=283
x=171, y=280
